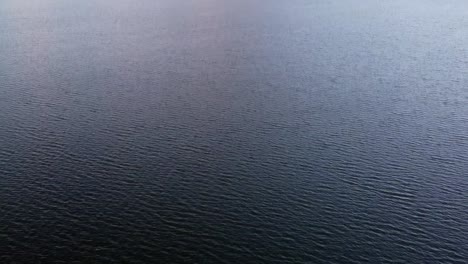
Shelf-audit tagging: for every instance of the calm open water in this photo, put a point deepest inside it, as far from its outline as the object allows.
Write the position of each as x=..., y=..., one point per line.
x=233, y=131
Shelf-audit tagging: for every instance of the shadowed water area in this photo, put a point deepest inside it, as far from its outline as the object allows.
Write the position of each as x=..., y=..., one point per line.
x=233, y=131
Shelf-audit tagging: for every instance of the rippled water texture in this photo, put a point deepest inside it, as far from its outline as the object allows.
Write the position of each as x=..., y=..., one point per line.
x=233, y=131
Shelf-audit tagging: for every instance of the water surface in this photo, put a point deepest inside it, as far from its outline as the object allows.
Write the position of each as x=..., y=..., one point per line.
x=222, y=131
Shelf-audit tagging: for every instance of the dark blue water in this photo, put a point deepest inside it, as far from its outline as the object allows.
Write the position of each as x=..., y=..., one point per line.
x=233, y=131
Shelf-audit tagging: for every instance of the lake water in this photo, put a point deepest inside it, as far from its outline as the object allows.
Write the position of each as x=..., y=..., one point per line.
x=233, y=131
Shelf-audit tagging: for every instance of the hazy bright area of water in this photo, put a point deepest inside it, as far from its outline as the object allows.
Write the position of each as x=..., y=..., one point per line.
x=233, y=131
